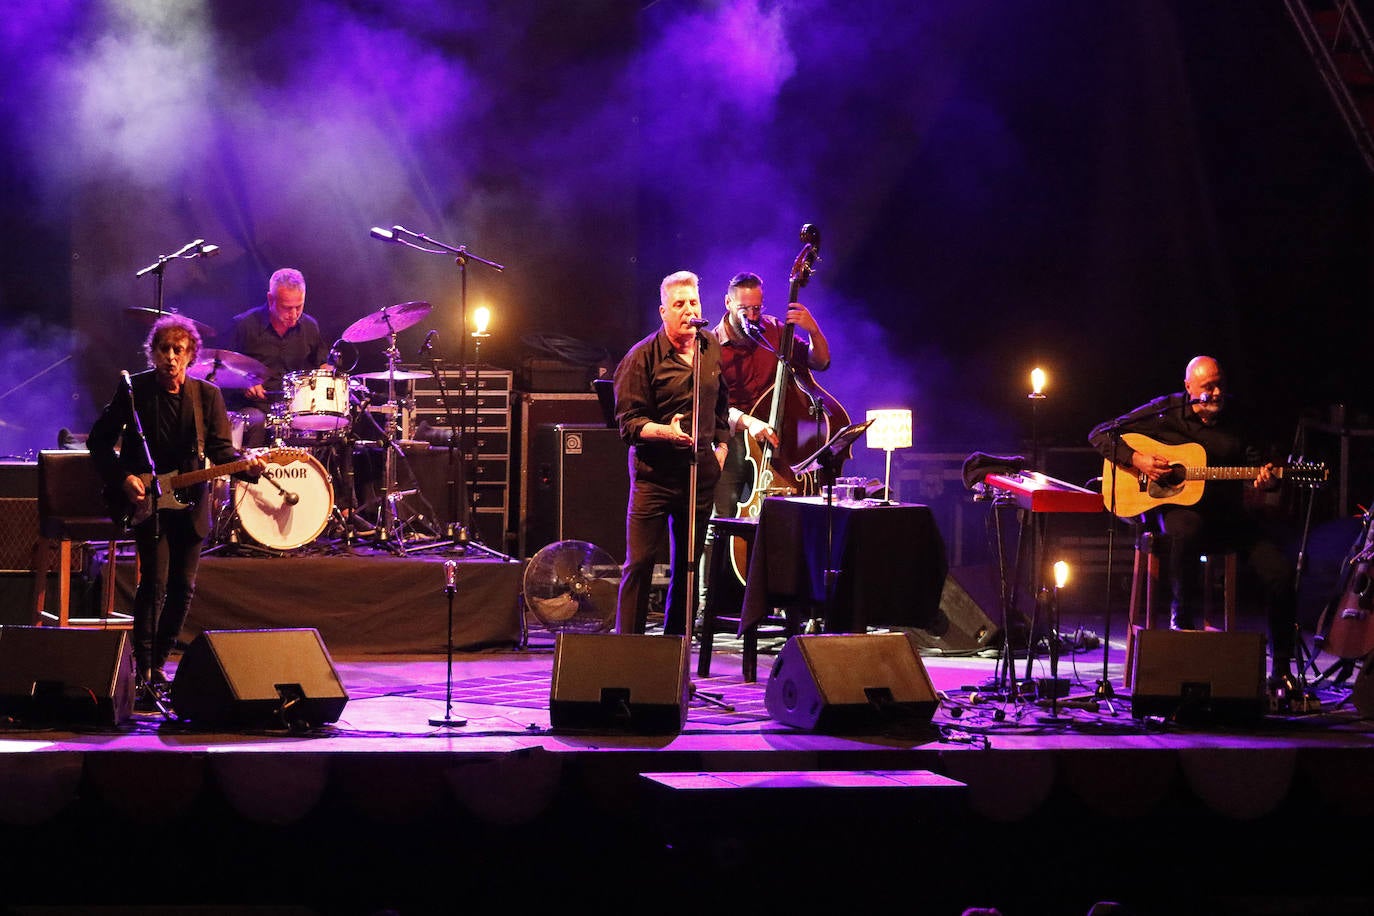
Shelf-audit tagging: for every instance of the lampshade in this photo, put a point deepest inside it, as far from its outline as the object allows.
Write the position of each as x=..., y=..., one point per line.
x=891, y=429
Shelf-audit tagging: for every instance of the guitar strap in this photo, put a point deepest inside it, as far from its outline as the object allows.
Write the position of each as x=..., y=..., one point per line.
x=195, y=389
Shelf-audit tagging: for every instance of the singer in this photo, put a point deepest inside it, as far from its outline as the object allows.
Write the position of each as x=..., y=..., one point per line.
x=653, y=407
x=1221, y=521
x=183, y=422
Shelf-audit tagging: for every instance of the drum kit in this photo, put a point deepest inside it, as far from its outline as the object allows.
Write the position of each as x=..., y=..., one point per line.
x=293, y=503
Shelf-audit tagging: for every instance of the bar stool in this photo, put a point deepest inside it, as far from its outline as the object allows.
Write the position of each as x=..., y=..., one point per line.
x=1147, y=607
x=722, y=609
x=71, y=509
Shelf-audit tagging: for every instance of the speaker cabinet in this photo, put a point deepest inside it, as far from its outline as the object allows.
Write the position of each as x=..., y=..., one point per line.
x=579, y=485
x=64, y=675
x=962, y=625
x=261, y=678
x=619, y=683
x=845, y=683
x=1197, y=675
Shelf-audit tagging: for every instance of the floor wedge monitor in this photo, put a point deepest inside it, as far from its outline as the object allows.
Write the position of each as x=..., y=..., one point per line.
x=619, y=683
x=258, y=678
x=59, y=675
x=850, y=682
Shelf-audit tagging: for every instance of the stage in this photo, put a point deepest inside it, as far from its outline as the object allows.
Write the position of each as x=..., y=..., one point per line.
x=1032, y=806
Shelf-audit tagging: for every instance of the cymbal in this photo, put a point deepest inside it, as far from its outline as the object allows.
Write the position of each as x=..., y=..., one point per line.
x=147, y=317
x=228, y=369
x=400, y=375
x=386, y=320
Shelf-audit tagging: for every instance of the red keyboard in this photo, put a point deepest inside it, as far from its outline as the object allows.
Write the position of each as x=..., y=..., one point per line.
x=1042, y=493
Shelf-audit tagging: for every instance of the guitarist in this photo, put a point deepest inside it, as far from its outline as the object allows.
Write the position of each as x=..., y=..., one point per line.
x=1219, y=520
x=184, y=422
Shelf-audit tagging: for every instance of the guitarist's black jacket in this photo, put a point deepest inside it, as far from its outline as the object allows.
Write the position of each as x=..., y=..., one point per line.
x=1171, y=420
x=117, y=452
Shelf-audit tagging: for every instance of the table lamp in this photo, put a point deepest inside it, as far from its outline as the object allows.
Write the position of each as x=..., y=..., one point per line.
x=891, y=430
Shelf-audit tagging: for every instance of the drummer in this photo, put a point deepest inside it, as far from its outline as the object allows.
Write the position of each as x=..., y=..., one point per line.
x=283, y=338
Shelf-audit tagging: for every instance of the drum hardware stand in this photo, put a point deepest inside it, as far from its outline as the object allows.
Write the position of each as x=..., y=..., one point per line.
x=390, y=534
x=461, y=256
x=450, y=587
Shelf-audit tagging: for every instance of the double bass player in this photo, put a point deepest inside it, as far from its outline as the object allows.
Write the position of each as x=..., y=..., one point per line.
x=750, y=340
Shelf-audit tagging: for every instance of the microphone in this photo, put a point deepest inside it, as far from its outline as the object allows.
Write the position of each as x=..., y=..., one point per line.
x=386, y=235
x=1208, y=399
x=753, y=329
x=450, y=576
x=428, y=344
x=128, y=382
x=205, y=251
x=698, y=322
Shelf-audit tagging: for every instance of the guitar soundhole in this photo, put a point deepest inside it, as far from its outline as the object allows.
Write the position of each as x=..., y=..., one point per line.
x=1174, y=478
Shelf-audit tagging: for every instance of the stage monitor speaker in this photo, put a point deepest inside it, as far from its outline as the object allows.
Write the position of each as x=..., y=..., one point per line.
x=962, y=626
x=1199, y=676
x=619, y=683
x=258, y=678
x=850, y=682
x=64, y=675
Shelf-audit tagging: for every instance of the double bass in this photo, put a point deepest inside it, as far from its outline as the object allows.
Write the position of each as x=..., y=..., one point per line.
x=800, y=411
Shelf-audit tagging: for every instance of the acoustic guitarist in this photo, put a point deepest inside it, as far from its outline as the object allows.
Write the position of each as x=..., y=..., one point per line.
x=178, y=423
x=1217, y=521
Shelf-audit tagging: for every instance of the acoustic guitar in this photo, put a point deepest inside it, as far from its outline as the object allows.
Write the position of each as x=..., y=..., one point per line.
x=1348, y=622
x=1134, y=493
x=173, y=485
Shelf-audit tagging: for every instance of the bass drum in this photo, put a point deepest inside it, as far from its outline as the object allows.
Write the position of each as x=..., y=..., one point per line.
x=293, y=512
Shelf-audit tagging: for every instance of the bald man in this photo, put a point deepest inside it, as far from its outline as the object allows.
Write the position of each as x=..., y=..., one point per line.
x=1220, y=520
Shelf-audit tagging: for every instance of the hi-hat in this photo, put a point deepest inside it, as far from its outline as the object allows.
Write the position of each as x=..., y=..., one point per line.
x=400, y=375
x=147, y=317
x=387, y=320
x=228, y=369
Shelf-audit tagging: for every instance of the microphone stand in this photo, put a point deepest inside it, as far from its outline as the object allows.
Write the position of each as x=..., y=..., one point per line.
x=689, y=609
x=144, y=680
x=461, y=258
x=450, y=586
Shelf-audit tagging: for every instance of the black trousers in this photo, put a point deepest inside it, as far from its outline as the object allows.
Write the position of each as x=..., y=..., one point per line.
x=168, y=558
x=658, y=506
x=1192, y=533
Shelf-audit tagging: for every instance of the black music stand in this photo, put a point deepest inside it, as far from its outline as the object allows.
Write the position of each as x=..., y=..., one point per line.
x=826, y=462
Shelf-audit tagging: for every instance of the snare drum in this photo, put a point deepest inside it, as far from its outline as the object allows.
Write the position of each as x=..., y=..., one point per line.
x=317, y=400
x=268, y=514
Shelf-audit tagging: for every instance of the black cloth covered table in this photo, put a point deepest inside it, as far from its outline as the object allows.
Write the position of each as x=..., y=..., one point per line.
x=891, y=561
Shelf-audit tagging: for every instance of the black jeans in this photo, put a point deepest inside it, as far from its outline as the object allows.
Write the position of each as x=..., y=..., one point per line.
x=658, y=506
x=168, y=558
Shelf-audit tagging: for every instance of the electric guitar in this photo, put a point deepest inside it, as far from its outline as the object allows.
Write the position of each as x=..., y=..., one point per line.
x=1134, y=493
x=172, y=485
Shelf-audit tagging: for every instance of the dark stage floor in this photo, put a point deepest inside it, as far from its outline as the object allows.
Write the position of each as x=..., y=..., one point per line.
x=988, y=801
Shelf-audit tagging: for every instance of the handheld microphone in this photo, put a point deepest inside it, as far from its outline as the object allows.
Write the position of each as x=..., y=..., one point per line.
x=428, y=344
x=450, y=576
x=386, y=235
x=698, y=322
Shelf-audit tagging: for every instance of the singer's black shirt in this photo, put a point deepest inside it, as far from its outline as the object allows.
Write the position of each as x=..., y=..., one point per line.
x=652, y=383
